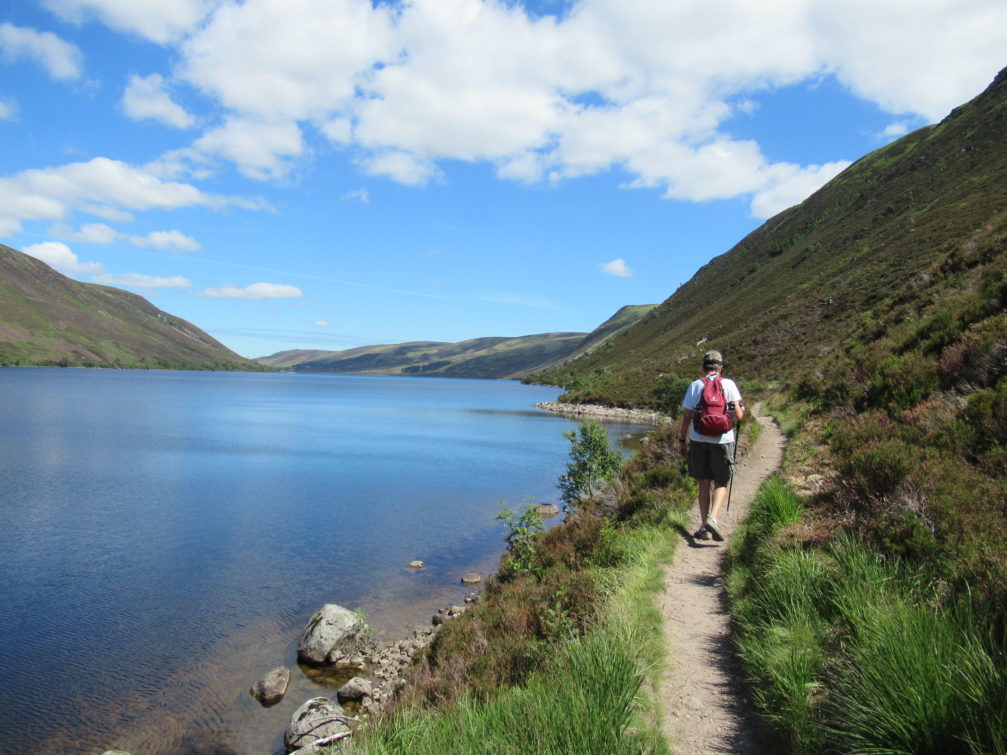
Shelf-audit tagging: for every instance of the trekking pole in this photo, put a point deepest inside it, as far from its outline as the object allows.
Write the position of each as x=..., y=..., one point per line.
x=730, y=487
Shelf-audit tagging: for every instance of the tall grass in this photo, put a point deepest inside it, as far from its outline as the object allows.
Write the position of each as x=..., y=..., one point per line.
x=850, y=651
x=590, y=697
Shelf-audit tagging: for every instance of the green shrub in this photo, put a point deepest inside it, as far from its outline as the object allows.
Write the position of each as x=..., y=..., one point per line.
x=901, y=382
x=669, y=392
x=592, y=463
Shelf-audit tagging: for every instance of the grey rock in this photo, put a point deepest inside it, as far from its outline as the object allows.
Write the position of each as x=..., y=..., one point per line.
x=356, y=688
x=317, y=718
x=437, y=620
x=271, y=688
x=330, y=626
x=472, y=579
x=548, y=510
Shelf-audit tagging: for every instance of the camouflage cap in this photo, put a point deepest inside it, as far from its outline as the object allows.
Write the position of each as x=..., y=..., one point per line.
x=712, y=357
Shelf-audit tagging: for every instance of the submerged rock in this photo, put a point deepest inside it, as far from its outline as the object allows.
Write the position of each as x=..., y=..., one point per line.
x=271, y=688
x=316, y=719
x=330, y=626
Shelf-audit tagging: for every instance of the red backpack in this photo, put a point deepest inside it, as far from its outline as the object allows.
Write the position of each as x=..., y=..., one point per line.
x=711, y=416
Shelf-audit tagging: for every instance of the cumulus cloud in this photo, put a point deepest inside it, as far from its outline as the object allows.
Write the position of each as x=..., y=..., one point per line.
x=261, y=149
x=788, y=184
x=107, y=188
x=254, y=291
x=62, y=60
x=618, y=268
x=58, y=255
x=645, y=87
x=138, y=280
x=174, y=240
x=145, y=97
x=403, y=167
x=156, y=20
x=90, y=233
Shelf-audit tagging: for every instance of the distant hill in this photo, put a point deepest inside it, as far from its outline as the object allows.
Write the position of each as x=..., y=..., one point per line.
x=49, y=319
x=503, y=358
x=909, y=238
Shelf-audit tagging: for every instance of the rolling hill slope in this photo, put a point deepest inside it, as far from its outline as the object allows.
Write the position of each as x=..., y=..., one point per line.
x=502, y=358
x=49, y=319
x=892, y=242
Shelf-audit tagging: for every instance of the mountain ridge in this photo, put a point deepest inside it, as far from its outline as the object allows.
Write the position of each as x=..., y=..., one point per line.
x=487, y=357
x=47, y=318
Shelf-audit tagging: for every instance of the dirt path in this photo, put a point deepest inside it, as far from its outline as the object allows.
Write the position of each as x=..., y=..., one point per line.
x=701, y=696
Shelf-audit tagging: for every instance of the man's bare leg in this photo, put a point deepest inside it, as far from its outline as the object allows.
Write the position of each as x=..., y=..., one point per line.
x=719, y=497
x=704, y=500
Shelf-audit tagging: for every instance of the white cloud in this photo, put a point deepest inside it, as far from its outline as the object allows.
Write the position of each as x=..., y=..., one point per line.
x=274, y=59
x=62, y=60
x=107, y=188
x=8, y=110
x=145, y=97
x=60, y=256
x=618, y=268
x=173, y=239
x=360, y=195
x=90, y=233
x=645, y=87
x=321, y=323
x=138, y=280
x=156, y=20
x=403, y=167
x=254, y=291
x=911, y=57
x=260, y=149
x=789, y=184
x=894, y=130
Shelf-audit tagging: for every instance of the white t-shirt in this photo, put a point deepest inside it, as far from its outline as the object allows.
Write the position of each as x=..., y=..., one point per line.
x=691, y=401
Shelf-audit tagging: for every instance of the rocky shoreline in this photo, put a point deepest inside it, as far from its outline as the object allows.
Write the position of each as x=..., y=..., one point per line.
x=337, y=639
x=600, y=412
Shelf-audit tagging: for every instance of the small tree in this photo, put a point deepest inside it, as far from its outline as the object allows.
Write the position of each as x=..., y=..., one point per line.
x=522, y=528
x=592, y=462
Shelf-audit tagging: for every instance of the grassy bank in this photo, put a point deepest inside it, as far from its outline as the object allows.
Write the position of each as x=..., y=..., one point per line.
x=850, y=649
x=563, y=652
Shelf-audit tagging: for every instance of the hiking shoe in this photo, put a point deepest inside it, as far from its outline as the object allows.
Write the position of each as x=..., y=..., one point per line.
x=713, y=528
x=702, y=534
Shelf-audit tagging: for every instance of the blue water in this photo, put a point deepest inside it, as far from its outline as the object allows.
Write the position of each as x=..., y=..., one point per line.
x=166, y=536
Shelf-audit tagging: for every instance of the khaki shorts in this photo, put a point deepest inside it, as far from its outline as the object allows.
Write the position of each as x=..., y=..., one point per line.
x=711, y=461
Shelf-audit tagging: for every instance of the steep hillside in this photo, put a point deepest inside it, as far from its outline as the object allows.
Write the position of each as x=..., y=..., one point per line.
x=888, y=243
x=49, y=319
x=475, y=358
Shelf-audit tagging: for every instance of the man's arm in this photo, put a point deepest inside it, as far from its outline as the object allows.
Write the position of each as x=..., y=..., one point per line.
x=683, y=432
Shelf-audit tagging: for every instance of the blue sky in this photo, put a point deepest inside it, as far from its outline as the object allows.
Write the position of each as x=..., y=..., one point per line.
x=335, y=173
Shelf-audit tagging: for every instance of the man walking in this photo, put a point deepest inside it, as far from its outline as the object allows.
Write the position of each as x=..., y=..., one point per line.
x=712, y=404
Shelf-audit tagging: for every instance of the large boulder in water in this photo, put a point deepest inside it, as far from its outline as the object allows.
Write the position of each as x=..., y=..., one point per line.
x=316, y=719
x=330, y=626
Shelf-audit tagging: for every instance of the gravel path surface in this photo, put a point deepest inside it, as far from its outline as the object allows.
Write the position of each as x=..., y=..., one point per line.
x=702, y=697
